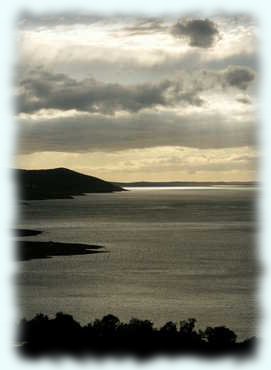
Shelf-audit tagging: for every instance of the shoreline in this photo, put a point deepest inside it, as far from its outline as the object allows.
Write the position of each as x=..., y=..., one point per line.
x=29, y=250
x=26, y=232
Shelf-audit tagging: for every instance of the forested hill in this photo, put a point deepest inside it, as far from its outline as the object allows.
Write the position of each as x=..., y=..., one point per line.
x=59, y=183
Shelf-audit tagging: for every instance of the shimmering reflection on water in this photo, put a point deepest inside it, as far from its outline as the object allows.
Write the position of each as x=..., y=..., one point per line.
x=173, y=254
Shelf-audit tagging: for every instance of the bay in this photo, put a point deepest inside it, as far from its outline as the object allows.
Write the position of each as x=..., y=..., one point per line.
x=173, y=253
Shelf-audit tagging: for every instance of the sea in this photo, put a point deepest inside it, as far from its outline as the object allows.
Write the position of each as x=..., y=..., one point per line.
x=170, y=254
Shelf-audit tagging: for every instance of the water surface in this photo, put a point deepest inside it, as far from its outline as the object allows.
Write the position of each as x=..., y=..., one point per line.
x=173, y=254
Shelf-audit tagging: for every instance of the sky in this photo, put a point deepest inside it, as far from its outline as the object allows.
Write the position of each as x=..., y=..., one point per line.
x=131, y=98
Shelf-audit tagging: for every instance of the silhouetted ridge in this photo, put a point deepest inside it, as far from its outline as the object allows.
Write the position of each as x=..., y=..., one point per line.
x=59, y=183
x=109, y=336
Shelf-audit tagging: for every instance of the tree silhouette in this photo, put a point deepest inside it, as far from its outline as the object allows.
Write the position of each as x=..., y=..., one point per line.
x=169, y=329
x=220, y=337
x=62, y=334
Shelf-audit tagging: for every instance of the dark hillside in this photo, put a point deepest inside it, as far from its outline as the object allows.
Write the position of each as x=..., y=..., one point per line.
x=59, y=183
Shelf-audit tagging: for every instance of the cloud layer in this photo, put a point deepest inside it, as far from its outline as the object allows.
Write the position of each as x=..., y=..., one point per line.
x=160, y=95
x=98, y=132
x=58, y=91
x=45, y=90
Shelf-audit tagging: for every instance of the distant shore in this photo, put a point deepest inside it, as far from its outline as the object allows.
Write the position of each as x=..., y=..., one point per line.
x=196, y=184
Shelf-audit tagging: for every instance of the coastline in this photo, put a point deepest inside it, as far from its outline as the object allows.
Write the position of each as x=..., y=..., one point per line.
x=28, y=249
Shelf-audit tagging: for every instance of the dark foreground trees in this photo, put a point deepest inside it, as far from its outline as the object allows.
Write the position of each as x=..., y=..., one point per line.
x=64, y=335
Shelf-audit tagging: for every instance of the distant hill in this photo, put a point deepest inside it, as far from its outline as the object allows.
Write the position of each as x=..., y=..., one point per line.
x=59, y=183
x=183, y=183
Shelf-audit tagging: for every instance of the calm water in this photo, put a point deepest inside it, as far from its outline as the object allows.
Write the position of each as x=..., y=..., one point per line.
x=172, y=254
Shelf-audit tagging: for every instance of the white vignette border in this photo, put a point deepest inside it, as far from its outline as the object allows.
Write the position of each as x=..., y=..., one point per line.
x=260, y=10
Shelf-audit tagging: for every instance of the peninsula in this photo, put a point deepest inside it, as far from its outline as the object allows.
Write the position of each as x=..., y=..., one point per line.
x=59, y=183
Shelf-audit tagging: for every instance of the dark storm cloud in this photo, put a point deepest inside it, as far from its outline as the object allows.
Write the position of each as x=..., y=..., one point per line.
x=46, y=90
x=96, y=132
x=239, y=76
x=201, y=33
x=234, y=77
x=40, y=89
